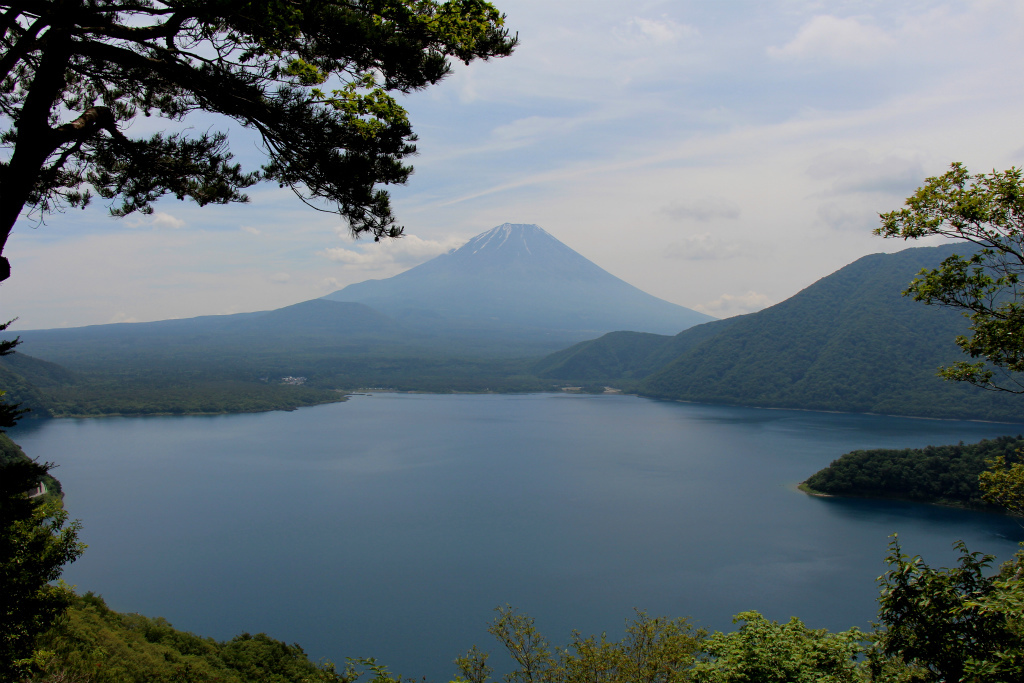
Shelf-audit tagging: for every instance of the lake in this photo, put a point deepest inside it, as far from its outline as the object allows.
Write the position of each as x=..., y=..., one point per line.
x=392, y=525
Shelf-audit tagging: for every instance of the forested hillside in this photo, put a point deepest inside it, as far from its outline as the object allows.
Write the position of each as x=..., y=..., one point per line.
x=850, y=342
x=25, y=379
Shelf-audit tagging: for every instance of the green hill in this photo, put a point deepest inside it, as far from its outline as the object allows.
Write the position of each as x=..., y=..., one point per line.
x=850, y=342
x=619, y=356
x=616, y=355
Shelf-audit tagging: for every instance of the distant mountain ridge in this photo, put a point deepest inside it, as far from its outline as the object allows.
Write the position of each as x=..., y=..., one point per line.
x=513, y=291
x=850, y=342
x=517, y=279
x=470, y=320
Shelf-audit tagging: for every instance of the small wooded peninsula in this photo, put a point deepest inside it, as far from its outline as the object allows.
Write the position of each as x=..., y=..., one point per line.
x=944, y=475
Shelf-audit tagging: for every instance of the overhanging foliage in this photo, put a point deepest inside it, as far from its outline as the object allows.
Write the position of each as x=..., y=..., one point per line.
x=311, y=77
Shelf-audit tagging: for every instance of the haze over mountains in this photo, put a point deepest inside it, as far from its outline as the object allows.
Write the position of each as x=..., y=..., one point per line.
x=470, y=320
x=512, y=291
x=517, y=280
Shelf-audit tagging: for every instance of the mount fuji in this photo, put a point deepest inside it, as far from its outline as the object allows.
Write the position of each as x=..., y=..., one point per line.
x=517, y=280
x=512, y=292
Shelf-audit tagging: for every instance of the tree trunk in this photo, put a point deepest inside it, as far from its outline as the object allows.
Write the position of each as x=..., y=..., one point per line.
x=35, y=139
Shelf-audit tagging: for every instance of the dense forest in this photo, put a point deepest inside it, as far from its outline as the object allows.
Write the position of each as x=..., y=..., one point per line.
x=935, y=474
x=49, y=390
x=175, y=390
x=168, y=383
x=198, y=397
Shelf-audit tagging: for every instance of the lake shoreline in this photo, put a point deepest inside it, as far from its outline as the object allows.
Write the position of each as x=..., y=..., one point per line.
x=370, y=392
x=805, y=489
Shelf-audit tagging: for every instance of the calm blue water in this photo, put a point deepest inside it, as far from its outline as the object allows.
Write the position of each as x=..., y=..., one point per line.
x=391, y=525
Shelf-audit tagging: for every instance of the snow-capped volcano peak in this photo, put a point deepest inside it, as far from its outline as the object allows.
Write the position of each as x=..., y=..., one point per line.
x=518, y=277
x=517, y=235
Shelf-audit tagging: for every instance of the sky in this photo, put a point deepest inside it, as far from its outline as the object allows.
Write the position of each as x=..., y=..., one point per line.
x=721, y=155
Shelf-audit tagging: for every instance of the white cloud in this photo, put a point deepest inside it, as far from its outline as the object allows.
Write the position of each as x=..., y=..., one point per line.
x=166, y=220
x=156, y=220
x=251, y=230
x=281, y=278
x=828, y=37
x=703, y=209
x=351, y=257
x=701, y=247
x=409, y=250
x=122, y=317
x=662, y=30
x=728, y=305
